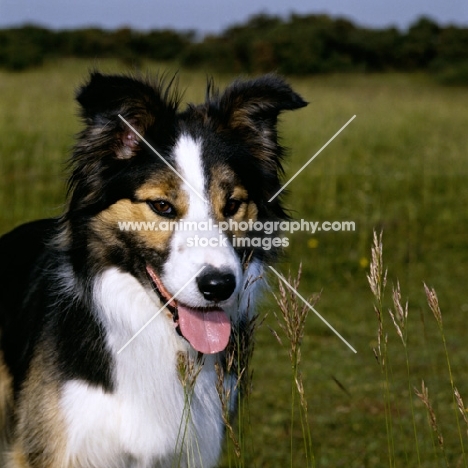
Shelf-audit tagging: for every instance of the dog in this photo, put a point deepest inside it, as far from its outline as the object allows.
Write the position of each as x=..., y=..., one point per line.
x=112, y=339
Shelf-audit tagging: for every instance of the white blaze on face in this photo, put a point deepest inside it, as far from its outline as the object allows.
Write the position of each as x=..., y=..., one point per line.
x=185, y=257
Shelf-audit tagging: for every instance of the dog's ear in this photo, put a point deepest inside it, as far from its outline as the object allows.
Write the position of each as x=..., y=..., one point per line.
x=250, y=109
x=107, y=98
x=253, y=106
x=248, y=112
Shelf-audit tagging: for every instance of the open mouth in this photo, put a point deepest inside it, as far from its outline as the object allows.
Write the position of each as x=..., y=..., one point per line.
x=206, y=329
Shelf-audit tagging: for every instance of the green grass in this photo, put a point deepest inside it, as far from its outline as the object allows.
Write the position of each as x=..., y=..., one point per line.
x=400, y=166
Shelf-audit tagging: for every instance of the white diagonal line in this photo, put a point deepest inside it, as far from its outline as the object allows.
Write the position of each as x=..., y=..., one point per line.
x=156, y=152
x=312, y=309
x=312, y=158
x=159, y=311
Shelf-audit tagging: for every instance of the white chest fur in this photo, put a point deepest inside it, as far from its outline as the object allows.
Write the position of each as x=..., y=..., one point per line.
x=150, y=420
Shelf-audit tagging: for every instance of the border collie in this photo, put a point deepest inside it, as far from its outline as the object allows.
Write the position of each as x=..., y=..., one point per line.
x=101, y=326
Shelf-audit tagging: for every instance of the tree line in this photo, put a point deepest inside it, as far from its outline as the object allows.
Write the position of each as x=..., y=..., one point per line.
x=299, y=45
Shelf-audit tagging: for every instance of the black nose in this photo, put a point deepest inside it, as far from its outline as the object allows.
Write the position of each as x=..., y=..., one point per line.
x=216, y=285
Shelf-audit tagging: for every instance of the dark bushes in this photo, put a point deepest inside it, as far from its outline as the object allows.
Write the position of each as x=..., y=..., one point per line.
x=296, y=45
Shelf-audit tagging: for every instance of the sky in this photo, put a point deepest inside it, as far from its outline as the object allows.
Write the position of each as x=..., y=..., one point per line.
x=215, y=15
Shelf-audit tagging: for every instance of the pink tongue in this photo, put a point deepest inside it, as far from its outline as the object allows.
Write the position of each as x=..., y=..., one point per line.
x=207, y=332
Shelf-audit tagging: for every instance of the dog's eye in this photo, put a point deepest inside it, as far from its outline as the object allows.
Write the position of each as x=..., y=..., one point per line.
x=163, y=208
x=231, y=207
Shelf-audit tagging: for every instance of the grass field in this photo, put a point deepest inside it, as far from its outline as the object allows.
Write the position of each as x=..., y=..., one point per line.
x=402, y=167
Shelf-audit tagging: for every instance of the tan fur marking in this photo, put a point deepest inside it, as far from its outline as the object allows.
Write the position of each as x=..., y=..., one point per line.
x=167, y=188
x=40, y=430
x=6, y=392
x=225, y=185
x=17, y=460
x=6, y=402
x=154, y=235
x=240, y=193
x=219, y=190
x=157, y=233
x=252, y=211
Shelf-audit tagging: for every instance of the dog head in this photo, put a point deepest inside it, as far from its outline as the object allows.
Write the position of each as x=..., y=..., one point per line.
x=151, y=186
